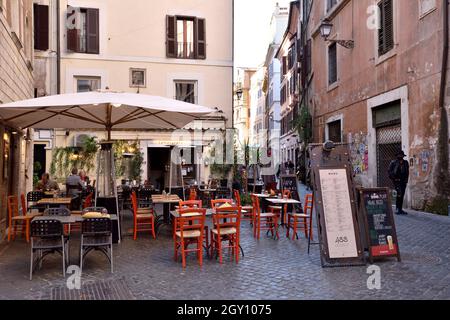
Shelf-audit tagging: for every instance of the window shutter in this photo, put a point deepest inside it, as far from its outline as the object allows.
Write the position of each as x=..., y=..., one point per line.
x=386, y=32
x=200, y=38
x=41, y=29
x=332, y=63
x=171, y=34
x=92, y=30
x=73, y=34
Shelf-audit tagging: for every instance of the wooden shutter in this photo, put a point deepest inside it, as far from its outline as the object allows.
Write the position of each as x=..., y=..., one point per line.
x=41, y=27
x=332, y=63
x=73, y=34
x=92, y=31
x=386, y=32
x=200, y=42
x=171, y=37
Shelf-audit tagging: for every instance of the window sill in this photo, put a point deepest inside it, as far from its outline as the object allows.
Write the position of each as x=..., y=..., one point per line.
x=381, y=59
x=333, y=86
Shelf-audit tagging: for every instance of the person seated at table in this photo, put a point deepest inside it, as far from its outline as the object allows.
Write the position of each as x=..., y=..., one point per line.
x=45, y=184
x=74, y=183
x=84, y=178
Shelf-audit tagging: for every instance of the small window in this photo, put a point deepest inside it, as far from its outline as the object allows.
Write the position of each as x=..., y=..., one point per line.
x=386, y=31
x=332, y=64
x=138, y=78
x=87, y=84
x=186, y=91
x=335, y=131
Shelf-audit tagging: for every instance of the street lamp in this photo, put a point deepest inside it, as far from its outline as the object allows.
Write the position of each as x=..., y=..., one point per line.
x=325, y=30
x=239, y=93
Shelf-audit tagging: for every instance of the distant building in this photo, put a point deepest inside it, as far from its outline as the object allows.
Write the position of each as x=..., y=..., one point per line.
x=257, y=109
x=272, y=65
x=290, y=84
x=16, y=83
x=242, y=101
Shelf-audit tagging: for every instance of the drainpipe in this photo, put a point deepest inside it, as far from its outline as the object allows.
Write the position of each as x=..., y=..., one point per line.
x=442, y=175
x=58, y=47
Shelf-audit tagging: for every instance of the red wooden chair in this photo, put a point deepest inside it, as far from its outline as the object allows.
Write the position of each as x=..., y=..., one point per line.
x=192, y=194
x=189, y=230
x=227, y=222
x=144, y=218
x=247, y=211
x=264, y=221
x=17, y=222
x=302, y=220
x=278, y=209
x=220, y=202
x=190, y=204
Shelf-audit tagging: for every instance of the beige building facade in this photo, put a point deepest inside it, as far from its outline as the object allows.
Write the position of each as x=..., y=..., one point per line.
x=16, y=83
x=176, y=49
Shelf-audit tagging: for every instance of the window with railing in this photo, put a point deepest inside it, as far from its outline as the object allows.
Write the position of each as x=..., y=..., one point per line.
x=83, y=31
x=185, y=37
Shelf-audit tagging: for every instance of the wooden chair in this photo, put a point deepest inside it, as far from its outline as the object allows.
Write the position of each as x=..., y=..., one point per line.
x=302, y=220
x=264, y=221
x=188, y=231
x=17, y=222
x=190, y=204
x=220, y=202
x=247, y=211
x=144, y=218
x=227, y=222
x=192, y=194
x=278, y=209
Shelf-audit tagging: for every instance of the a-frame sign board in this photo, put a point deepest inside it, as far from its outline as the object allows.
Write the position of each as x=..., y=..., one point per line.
x=336, y=209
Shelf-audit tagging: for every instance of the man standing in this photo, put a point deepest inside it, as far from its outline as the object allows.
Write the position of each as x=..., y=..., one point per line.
x=399, y=174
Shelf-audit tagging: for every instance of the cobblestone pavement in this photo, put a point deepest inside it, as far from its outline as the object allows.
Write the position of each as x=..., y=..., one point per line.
x=271, y=269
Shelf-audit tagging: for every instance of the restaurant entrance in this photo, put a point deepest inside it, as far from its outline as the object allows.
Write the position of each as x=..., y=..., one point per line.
x=158, y=166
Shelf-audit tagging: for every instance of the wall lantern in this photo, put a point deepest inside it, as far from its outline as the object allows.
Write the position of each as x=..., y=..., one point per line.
x=325, y=30
x=239, y=94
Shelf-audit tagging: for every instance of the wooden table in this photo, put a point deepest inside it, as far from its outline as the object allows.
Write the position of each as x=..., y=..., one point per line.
x=283, y=202
x=166, y=201
x=55, y=202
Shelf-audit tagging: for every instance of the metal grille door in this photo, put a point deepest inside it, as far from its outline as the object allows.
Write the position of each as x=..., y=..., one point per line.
x=389, y=143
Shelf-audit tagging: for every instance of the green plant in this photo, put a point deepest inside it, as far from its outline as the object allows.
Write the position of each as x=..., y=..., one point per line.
x=137, y=159
x=36, y=168
x=246, y=199
x=66, y=158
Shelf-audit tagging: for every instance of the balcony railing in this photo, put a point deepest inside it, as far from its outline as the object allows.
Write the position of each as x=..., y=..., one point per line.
x=185, y=50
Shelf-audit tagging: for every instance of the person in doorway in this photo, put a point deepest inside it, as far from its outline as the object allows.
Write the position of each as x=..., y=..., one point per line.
x=45, y=184
x=399, y=174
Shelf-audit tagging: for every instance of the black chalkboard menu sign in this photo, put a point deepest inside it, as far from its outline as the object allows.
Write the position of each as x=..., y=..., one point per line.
x=381, y=236
x=290, y=182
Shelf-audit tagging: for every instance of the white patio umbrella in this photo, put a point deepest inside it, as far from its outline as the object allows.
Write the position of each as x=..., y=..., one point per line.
x=101, y=110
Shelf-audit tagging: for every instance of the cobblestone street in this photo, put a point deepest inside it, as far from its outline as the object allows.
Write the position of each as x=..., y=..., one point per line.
x=271, y=269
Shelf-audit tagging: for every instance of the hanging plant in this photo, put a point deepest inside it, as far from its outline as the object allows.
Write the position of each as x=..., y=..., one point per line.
x=64, y=159
x=120, y=148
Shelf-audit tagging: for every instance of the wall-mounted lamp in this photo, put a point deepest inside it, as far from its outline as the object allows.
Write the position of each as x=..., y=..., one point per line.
x=239, y=93
x=325, y=30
